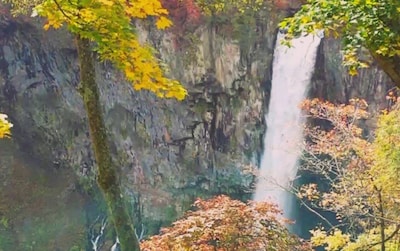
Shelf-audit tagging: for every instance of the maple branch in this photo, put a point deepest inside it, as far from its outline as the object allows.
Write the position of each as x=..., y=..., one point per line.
x=68, y=16
x=316, y=213
x=292, y=191
x=382, y=214
x=62, y=11
x=387, y=238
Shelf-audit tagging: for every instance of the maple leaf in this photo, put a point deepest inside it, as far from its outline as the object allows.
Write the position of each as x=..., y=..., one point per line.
x=163, y=23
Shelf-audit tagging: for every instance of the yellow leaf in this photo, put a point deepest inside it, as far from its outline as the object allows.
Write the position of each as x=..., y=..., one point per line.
x=108, y=24
x=107, y=2
x=46, y=26
x=5, y=126
x=57, y=25
x=353, y=71
x=163, y=23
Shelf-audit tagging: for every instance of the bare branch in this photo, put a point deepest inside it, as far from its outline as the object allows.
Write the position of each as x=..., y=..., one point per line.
x=316, y=213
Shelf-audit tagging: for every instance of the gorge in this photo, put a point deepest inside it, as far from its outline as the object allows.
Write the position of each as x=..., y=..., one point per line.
x=169, y=152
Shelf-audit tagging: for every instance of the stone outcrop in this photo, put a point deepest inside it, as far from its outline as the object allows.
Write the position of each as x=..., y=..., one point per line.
x=332, y=82
x=168, y=152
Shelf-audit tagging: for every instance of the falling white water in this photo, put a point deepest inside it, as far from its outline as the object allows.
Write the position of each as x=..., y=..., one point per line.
x=292, y=72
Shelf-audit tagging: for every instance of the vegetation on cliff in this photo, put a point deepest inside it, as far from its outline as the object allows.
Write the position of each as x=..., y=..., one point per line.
x=369, y=24
x=5, y=126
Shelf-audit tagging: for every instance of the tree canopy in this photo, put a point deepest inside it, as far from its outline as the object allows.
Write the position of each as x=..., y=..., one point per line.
x=225, y=224
x=360, y=177
x=210, y=7
x=370, y=24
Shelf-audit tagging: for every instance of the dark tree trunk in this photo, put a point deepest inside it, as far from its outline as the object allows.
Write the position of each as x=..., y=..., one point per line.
x=107, y=174
x=390, y=65
x=382, y=220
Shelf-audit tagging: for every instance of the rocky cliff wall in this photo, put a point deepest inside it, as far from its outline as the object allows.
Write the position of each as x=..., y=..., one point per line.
x=332, y=82
x=168, y=152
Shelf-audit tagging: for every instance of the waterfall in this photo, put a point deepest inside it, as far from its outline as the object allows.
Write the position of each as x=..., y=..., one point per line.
x=292, y=72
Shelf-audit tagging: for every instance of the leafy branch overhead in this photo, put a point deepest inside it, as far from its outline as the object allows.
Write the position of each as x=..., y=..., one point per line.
x=109, y=24
x=372, y=24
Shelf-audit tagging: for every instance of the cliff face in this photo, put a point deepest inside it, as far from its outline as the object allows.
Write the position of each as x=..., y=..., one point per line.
x=168, y=152
x=331, y=80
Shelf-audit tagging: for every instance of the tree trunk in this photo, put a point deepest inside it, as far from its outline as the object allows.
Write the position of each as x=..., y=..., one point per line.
x=390, y=65
x=107, y=174
x=382, y=220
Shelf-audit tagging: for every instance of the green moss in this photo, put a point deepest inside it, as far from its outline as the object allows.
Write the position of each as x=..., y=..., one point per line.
x=152, y=226
x=168, y=119
x=76, y=248
x=233, y=144
x=143, y=138
x=6, y=239
x=124, y=133
x=190, y=49
x=236, y=103
x=202, y=106
x=170, y=213
x=244, y=29
x=42, y=234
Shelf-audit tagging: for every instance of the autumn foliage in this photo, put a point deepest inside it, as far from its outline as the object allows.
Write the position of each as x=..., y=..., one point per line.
x=108, y=23
x=225, y=224
x=186, y=17
x=184, y=13
x=359, y=175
